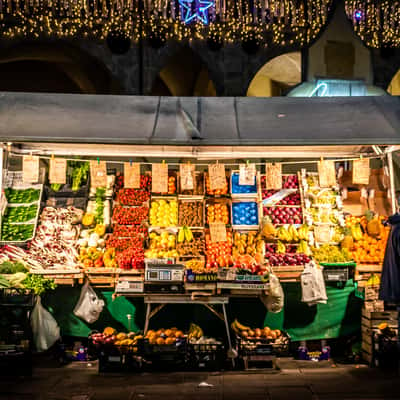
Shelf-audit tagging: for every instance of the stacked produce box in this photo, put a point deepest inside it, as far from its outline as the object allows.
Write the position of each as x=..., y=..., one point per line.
x=285, y=232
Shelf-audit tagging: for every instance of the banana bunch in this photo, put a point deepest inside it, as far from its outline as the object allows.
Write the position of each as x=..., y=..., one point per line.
x=294, y=235
x=195, y=332
x=304, y=248
x=280, y=248
x=238, y=328
x=288, y=234
x=356, y=232
x=185, y=234
x=303, y=232
x=283, y=234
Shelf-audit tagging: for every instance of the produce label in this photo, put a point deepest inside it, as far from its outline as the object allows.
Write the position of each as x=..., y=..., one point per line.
x=217, y=176
x=131, y=175
x=361, y=171
x=247, y=174
x=98, y=173
x=273, y=176
x=322, y=233
x=30, y=169
x=186, y=172
x=58, y=171
x=217, y=232
x=327, y=173
x=159, y=178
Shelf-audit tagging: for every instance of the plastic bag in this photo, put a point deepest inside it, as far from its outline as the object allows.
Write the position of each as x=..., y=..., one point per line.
x=44, y=327
x=89, y=306
x=313, y=285
x=274, y=301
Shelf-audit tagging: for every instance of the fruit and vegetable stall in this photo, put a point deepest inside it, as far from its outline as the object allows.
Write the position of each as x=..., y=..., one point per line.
x=180, y=247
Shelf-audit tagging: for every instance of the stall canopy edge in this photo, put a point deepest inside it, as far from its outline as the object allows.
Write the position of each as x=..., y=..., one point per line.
x=192, y=121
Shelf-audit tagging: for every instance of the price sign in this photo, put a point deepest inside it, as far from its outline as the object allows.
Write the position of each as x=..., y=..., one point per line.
x=159, y=178
x=98, y=173
x=186, y=172
x=247, y=174
x=361, y=171
x=327, y=173
x=217, y=176
x=217, y=232
x=30, y=169
x=58, y=171
x=322, y=233
x=131, y=175
x=273, y=176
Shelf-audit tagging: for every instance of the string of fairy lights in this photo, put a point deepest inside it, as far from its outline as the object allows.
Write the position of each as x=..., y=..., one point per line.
x=265, y=22
x=377, y=22
x=268, y=22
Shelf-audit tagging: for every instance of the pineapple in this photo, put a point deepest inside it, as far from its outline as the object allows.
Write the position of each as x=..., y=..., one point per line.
x=373, y=224
x=348, y=241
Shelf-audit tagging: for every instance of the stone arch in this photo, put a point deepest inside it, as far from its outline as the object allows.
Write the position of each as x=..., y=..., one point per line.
x=184, y=73
x=53, y=67
x=277, y=76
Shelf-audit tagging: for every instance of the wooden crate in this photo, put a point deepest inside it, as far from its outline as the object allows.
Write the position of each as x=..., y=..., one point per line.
x=372, y=320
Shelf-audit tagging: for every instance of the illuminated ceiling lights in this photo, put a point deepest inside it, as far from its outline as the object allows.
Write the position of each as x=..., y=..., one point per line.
x=376, y=22
x=269, y=22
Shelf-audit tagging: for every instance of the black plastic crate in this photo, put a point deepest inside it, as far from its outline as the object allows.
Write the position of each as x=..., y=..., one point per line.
x=118, y=359
x=263, y=346
x=341, y=272
x=13, y=297
x=209, y=357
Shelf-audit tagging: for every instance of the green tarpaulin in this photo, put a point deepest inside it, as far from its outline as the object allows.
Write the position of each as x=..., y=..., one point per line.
x=339, y=317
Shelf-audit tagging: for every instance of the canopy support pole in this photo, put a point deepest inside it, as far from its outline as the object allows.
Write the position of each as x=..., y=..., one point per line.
x=391, y=178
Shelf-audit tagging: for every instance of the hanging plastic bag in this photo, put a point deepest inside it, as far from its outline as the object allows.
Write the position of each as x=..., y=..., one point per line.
x=89, y=306
x=313, y=285
x=44, y=327
x=275, y=299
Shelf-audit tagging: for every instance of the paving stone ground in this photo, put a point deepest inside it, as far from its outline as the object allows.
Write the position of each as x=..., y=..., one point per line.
x=294, y=381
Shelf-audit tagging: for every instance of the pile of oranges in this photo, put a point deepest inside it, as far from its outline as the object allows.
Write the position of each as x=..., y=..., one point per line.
x=218, y=212
x=219, y=254
x=164, y=336
x=368, y=249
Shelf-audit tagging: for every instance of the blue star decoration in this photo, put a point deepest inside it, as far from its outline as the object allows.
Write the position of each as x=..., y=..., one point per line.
x=195, y=10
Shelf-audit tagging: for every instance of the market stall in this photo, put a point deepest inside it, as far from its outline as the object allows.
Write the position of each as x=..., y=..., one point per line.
x=199, y=201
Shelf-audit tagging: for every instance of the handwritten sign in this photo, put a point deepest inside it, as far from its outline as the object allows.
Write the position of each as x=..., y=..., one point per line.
x=131, y=175
x=159, y=178
x=273, y=176
x=98, y=173
x=361, y=171
x=217, y=176
x=247, y=174
x=58, y=171
x=30, y=169
x=186, y=172
x=217, y=232
x=322, y=233
x=327, y=173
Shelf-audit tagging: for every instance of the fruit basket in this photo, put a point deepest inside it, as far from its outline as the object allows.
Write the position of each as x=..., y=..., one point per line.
x=218, y=210
x=245, y=214
x=263, y=346
x=224, y=192
x=243, y=191
x=191, y=212
x=198, y=186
